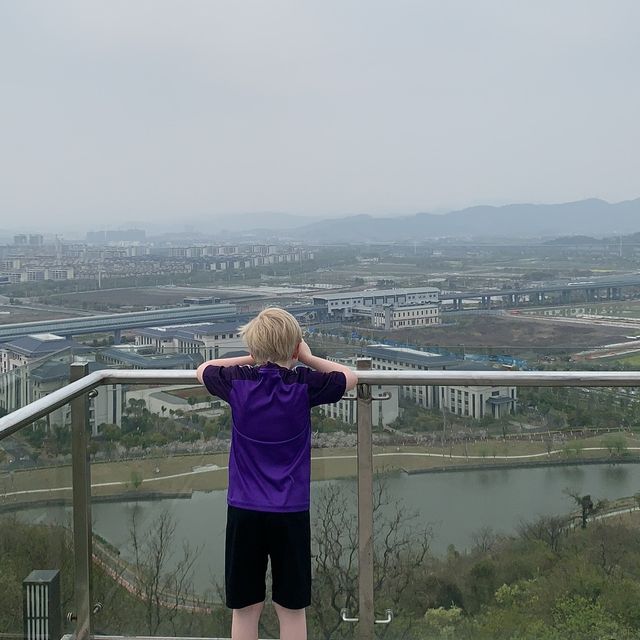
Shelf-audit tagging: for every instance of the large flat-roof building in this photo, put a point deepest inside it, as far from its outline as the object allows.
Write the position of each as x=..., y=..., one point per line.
x=347, y=304
x=105, y=405
x=27, y=349
x=209, y=339
x=473, y=402
x=41, y=375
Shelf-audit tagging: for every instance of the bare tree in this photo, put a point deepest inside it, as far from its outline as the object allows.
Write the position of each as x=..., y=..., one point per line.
x=485, y=539
x=335, y=560
x=548, y=529
x=401, y=545
x=163, y=585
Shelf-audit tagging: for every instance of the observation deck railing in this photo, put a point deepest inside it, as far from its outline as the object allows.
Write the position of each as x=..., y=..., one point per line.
x=82, y=384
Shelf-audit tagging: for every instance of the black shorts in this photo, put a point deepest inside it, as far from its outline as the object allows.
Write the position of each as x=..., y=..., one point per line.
x=255, y=536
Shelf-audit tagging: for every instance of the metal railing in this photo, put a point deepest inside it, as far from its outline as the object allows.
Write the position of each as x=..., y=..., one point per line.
x=83, y=383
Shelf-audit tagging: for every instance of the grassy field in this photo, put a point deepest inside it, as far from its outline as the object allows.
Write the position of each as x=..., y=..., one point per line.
x=208, y=472
x=632, y=360
x=137, y=296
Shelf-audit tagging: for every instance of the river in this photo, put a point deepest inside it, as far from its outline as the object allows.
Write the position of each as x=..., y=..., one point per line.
x=455, y=504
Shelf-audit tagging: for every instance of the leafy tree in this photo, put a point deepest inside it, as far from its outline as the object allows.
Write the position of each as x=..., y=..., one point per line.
x=616, y=444
x=577, y=618
x=110, y=432
x=482, y=583
x=136, y=479
x=441, y=623
x=584, y=503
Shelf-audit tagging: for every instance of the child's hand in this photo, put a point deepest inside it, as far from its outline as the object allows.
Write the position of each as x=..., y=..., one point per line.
x=304, y=352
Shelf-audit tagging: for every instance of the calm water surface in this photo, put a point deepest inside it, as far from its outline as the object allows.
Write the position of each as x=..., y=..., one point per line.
x=455, y=504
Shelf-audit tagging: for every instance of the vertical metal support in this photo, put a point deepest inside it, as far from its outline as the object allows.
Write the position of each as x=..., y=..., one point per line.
x=365, y=508
x=81, y=473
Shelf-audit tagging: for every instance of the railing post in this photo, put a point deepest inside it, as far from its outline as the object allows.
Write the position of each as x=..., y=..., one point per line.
x=365, y=508
x=81, y=475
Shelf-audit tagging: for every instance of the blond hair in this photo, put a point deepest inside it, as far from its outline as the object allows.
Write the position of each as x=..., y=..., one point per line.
x=272, y=336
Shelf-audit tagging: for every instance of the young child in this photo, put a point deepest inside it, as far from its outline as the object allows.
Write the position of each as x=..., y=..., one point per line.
x=270, y=467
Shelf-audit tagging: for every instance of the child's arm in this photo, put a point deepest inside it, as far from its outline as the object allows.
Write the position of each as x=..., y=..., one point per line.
x=223, y=362
x=326, y=366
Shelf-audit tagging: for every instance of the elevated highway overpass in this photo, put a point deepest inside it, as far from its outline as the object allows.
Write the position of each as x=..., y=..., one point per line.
x=118, y=322
x=592, y=289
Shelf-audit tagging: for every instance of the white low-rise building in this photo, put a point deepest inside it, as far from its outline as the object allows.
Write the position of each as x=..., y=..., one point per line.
x=342, y=305
x=383, y=411
x=165, y=401
x=392, y=316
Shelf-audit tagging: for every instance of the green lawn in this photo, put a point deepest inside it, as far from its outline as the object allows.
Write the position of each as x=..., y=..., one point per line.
x=631, y=360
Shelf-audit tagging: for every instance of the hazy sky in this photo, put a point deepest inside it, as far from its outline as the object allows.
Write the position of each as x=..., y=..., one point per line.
x=153, y=110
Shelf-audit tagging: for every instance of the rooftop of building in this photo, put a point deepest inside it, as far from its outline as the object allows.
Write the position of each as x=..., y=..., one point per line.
x=376, y=292
x=50, y=371
x=57, y=370
x=128, y=357
x=425, y=359
x=39, y=344
x=191, y=330
x=407, y=355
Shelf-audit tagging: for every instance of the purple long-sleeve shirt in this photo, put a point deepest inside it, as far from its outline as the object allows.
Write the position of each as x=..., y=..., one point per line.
x=270, y=458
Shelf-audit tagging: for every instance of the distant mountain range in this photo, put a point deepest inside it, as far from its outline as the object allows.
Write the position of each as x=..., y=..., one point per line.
x=595, y=218
x=585, y=217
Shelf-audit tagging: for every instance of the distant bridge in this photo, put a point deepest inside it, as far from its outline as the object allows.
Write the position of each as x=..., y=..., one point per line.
x=593, y=289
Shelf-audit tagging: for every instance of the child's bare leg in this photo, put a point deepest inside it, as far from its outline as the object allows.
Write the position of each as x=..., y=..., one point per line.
x=244, y=623
x=293, y=623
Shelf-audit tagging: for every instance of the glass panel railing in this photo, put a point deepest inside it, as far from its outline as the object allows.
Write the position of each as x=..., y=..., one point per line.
x=482, y=494
x=35, y=498
x=160, y=456
x=488, y=526
x=159, y=478
x=334, y=529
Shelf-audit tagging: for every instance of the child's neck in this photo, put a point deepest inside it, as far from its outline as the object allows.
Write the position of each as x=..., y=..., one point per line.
x=288, y=364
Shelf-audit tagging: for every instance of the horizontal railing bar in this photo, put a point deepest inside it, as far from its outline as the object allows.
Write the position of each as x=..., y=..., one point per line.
x=39, y=408
x=408, y=377
x=505, y=378
x=34, y=411
x=149, y=376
